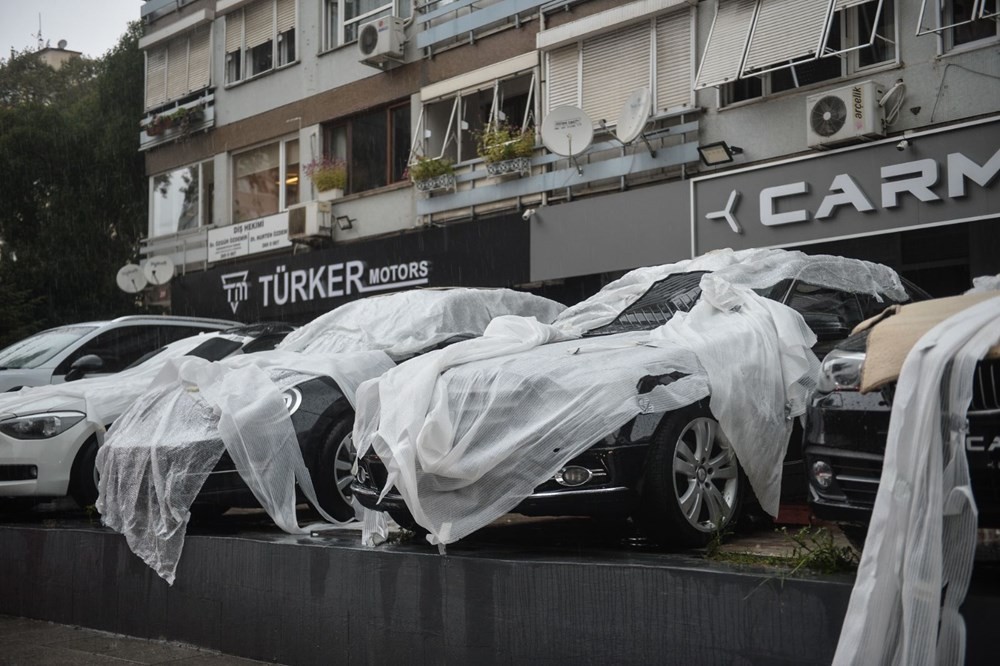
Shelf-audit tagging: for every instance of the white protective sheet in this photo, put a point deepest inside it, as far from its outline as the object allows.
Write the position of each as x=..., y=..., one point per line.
x=985, y=283
x=918, y=557
x=160, y=452
x=101, y=398
x=467, y=432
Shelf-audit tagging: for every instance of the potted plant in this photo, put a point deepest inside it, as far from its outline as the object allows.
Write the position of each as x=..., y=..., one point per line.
x=506, y=149
x=155, y=126
x=432, y=173
x=329, y=176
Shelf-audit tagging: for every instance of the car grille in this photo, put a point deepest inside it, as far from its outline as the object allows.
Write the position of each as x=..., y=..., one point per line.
x=18, y=472
x=857, y=477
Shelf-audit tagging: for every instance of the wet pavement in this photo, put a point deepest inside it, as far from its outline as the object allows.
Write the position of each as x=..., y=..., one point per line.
x=26, y=642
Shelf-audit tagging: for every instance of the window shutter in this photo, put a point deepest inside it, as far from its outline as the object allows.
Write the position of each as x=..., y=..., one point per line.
x=785, y=30
x=723, y=56
x=156, y=82
x=614, y=64
x=199, y=60
x=177, y=68
x=259, y=23
x=673, y=60
x=286, y=15
x=563, y=79
x=234, y=31
x=844, y=4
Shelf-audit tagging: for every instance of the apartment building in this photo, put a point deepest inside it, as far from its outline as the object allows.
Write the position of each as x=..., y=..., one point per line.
x=655, y=129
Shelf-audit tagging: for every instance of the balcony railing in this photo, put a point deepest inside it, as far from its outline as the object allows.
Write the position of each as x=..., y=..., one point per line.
x=443, y=22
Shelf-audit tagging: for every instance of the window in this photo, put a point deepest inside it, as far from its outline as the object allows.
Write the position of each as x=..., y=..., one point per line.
x=265, y=180
x=589, y=73
x=857, y=35
x=342, y=19
x=122, y=346
x=259, y=38
x=960, y=21
x=452, y=124
x=178, y=68
x=181, y=199
x=375, y=145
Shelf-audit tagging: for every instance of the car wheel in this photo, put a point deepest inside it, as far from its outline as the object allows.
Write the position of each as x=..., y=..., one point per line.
x=693, y=486
x=332, y=480
x=84, y=476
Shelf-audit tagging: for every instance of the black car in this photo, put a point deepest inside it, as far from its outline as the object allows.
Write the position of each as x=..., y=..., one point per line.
x=846, y=433
x=674, y=471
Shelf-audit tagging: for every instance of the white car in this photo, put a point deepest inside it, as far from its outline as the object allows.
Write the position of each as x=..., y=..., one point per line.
x=69, y=352
x=49, y=435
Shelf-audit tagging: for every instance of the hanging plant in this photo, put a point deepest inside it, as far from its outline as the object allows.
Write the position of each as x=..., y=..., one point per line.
x=500, y=142
x=327, y=173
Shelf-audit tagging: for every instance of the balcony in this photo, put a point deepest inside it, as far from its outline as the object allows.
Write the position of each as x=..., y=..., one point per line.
x=444, y=22
x=177, y=121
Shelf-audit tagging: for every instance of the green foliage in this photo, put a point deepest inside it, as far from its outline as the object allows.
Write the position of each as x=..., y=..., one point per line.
x=812, y=548
x=505, y=142
x=426, y=168
x=73, y=200
x=328, y=173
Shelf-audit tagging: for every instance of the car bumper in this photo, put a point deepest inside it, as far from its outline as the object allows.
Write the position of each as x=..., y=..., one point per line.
x=40, y=467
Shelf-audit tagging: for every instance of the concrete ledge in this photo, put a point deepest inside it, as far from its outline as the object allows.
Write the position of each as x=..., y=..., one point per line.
x=327, y=600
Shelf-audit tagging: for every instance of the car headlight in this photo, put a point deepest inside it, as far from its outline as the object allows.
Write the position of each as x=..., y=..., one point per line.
x=40, y=426
x=841, y=371
x=292, y=398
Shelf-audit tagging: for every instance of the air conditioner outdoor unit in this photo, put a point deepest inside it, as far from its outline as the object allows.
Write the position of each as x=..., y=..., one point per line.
x=309, y=220
x=844, y=115
x=381, y=41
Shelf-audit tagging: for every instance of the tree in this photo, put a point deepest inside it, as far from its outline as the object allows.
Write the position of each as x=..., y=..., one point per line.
x=72, y=190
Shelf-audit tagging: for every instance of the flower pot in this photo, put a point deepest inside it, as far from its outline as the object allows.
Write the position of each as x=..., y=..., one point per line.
x=518, y=166
x=329, y=195
x=445, y=181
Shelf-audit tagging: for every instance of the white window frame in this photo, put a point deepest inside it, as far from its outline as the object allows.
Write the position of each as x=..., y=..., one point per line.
x=282, y=174
x=335, y=36
x=164, y=48
x=941, y=24
x=240, y=59
x=203, y=197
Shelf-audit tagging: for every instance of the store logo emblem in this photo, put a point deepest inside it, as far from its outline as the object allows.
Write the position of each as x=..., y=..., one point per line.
x=727, y=213
x=237, y=288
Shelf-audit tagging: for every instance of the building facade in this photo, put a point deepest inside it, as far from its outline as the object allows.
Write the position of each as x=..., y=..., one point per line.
x=655, y=129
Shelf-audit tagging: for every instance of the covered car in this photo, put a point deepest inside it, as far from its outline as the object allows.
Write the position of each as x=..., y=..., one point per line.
x=848, y=419
x=49, y=435
x=662, y=396
x=276, y=427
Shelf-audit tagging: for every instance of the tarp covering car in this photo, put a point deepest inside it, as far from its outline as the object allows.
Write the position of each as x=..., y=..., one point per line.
x=161, y=450
x=467, y=432
x=917, y=559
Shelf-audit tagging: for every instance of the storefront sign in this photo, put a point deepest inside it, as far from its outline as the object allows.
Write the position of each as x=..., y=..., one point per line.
x=934, y=178
x=246, y=238
x=296, y=288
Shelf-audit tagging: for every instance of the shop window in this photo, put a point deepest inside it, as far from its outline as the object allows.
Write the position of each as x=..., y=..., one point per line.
x=375, y=146
x=181, y=199
x=178, y=68
x=788, y=45
x=450, y=126
x=588, y=73
x=342, y=19
x=265, y=180
x=259, y=37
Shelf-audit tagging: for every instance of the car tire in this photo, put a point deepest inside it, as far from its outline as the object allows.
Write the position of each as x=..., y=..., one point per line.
x=693, y=485
x=332, y=478
x=83, y=475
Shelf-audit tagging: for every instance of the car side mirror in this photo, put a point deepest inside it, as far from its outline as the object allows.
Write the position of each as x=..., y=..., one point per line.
x=83, y=365
x=826, y=326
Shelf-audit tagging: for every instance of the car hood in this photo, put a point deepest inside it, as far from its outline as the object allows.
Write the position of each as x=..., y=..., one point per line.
x=49, y=403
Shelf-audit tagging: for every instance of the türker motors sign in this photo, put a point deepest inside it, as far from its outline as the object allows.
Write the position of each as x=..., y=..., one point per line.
x=939, y=177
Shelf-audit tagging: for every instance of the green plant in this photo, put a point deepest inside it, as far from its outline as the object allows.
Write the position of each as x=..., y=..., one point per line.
x=499, y=142
x=425, y=168
x=328, y=173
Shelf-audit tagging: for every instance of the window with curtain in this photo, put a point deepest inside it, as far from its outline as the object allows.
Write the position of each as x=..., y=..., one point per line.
x=375, y=145
x=265, y=180
x=259, y=38
x=178, y=68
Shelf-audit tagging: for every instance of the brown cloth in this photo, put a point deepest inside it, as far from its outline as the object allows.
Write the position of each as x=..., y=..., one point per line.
x=896, y=331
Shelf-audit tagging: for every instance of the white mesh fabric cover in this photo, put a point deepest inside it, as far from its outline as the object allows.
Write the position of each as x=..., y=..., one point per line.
x=406, y=323
x=173, y=438
x=922, y=535
x=467, y=432
x=985, y=283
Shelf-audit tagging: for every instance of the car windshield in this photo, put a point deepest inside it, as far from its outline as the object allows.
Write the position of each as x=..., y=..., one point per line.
x=39, y=348
x=664, y=298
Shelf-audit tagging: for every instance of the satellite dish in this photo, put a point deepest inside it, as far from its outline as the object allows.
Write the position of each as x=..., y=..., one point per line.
x=567, y=131
x=634, y=115
x=130, y=279
x=159, y=270
x=62, y=43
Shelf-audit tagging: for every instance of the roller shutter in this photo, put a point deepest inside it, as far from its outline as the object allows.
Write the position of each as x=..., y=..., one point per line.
x=614, y=65
x=723, y=55
x=234, y=31
x=259, y=18
x=199, y=60
x=674, y=61
x=785, y=30
x=286, y=15
x=156, y=72
x=177, y=68
x=563, y=83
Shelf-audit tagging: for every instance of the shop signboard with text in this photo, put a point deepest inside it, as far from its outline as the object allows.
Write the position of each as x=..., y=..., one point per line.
x=250, y=237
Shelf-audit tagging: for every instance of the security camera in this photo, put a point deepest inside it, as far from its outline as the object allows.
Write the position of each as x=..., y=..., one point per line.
x=903, y=145
x=527, y=214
